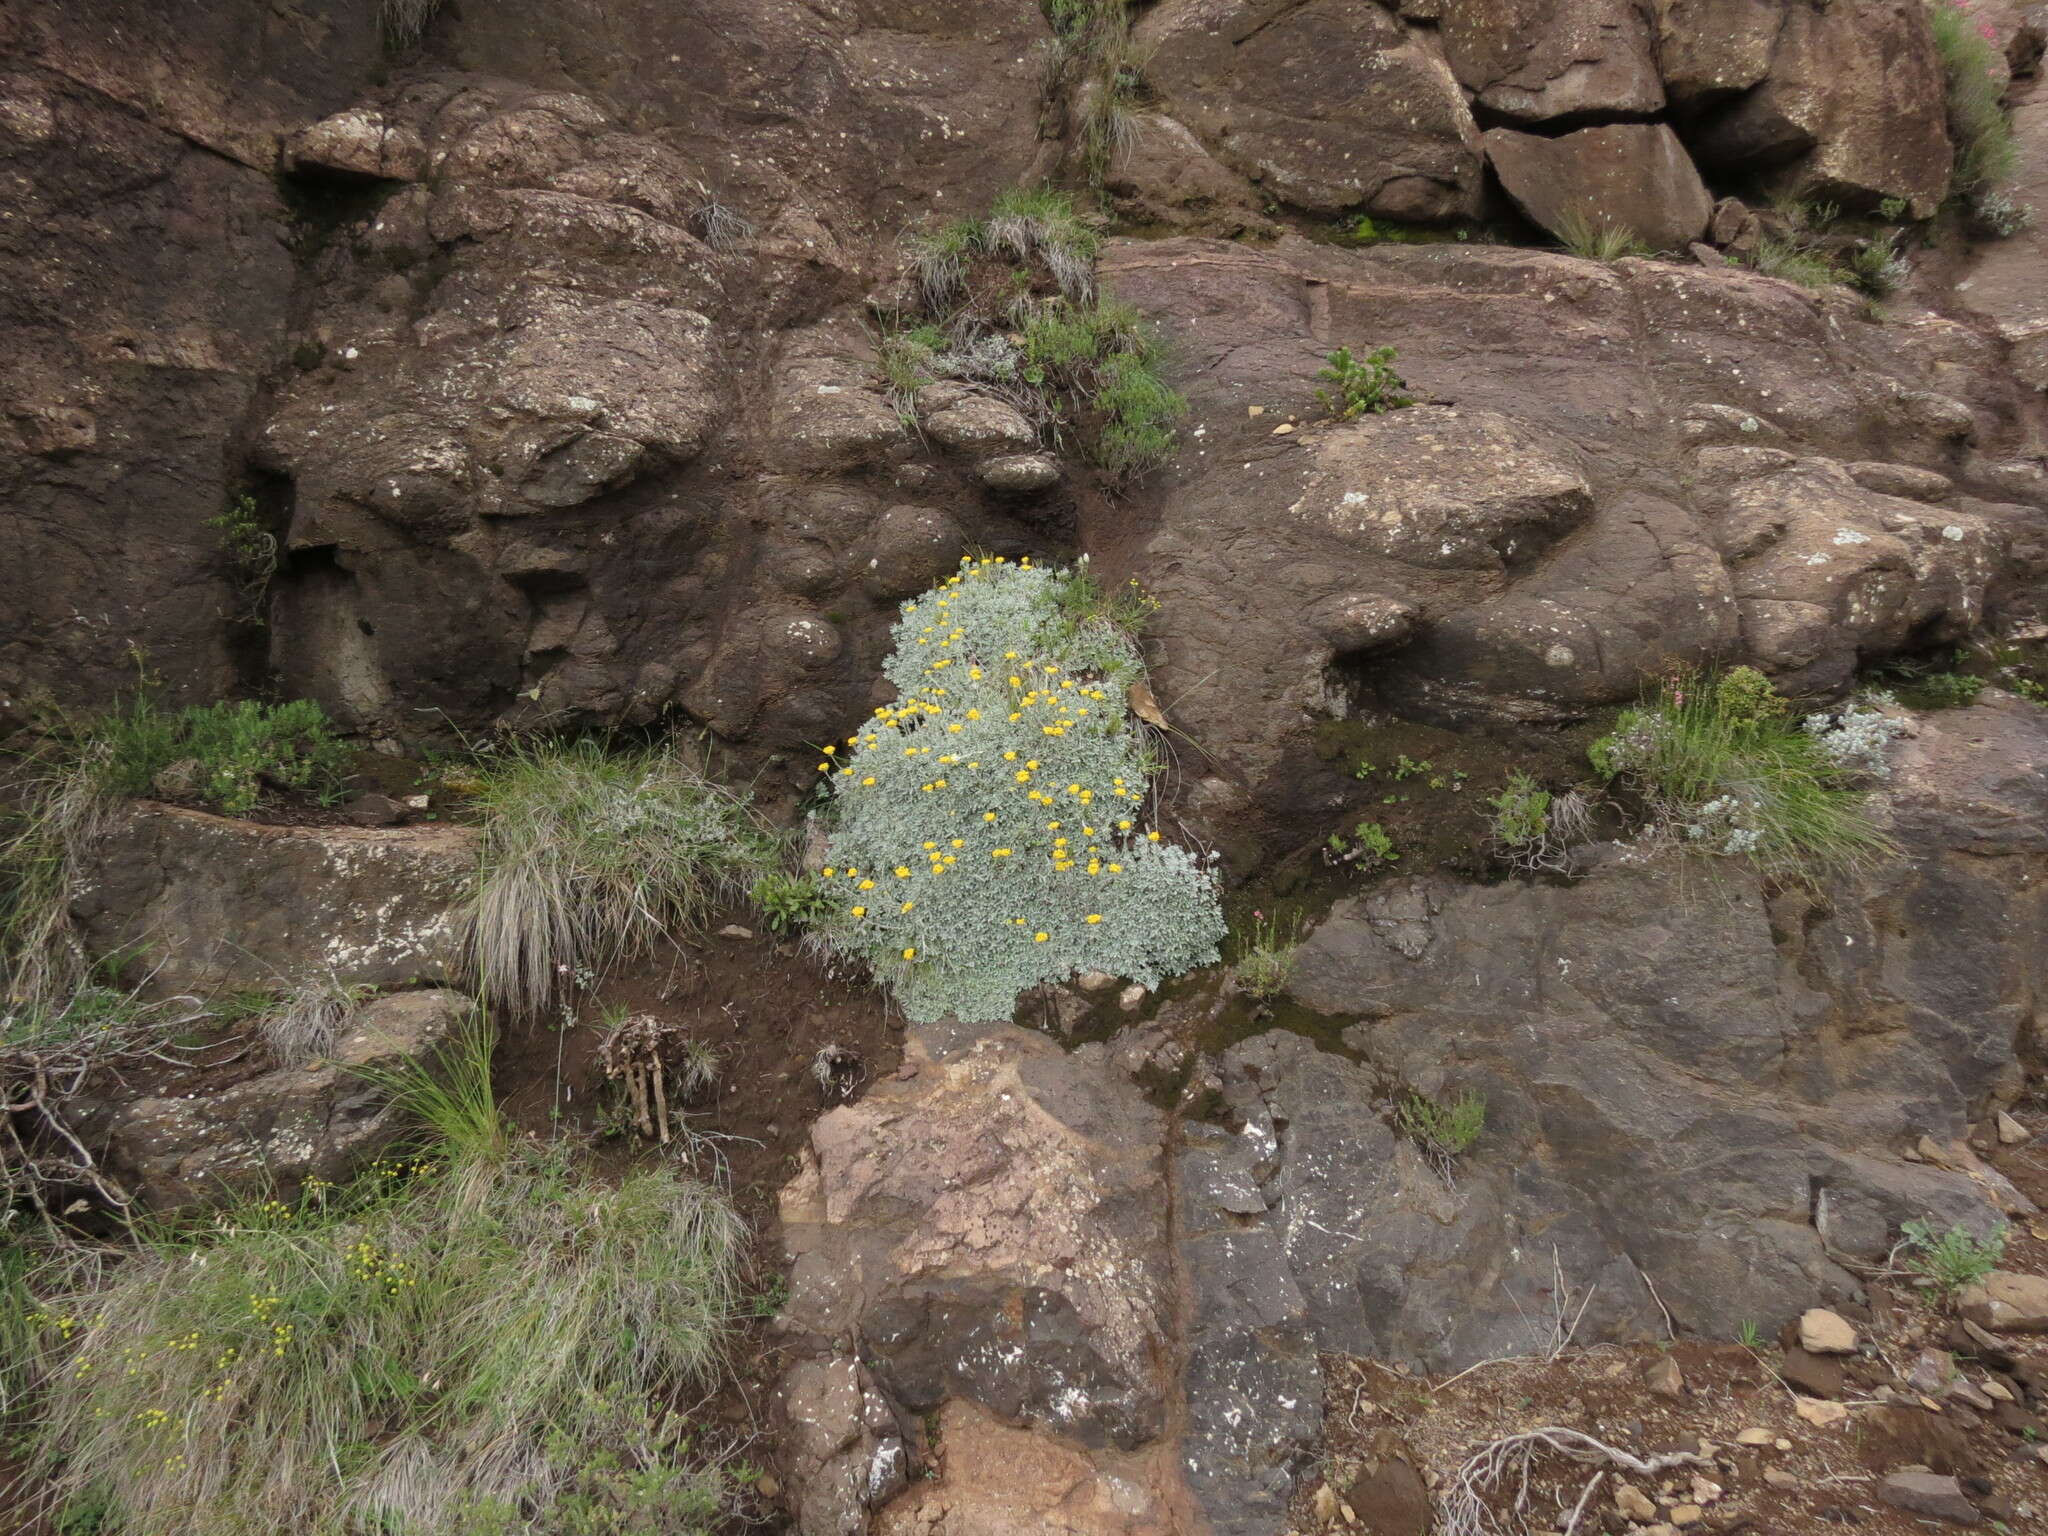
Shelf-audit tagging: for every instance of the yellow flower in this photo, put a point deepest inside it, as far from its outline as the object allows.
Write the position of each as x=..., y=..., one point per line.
x=1116, y=869
x=1040, y=937
x=860, y=911
x=999, y=853
x=906, y=906
x=830, y=750
x=928, y=847
x=974, y=714
x=828, y=871
x=959, y=842
x=902, y=871
x=824, y=767
x=988, y=815
x=866, y=885
x=1151, y=837
x=910, y=954
x=1094, y=917
x=1123, y=826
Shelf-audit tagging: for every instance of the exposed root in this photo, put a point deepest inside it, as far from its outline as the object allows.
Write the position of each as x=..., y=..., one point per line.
x=656, y=1059
x=1464, y=1508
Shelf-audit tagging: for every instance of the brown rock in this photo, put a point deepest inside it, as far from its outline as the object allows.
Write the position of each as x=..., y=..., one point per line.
x=1822, y=1332
x=1925, y=1493
x=1388, y=1494
x=1537, y=61
x=1635, y=176
x=359, y=142
x=1330, y=105
x=2006, y=1302
x=1817, y=1375
x=1631, y=1503
x=1663, y=1377
x=1854, y=107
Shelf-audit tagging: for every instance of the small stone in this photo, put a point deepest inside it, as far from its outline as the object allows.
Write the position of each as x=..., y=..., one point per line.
x=1930, y=1372
x=418, y=802
x=1822, y=1332
x=1994, y=1388
x=1019, y=471
x=1255, y=410
x=1132, y=998
x=1818, y=1412
x=1283, y=429
x=374, y=811
x=767, y=1486
x=1350, y=1515
x=1326, y=1498
x=1687, y=1514
x=735, y=931
x=2010, y=1132
x=1704, y=1489
x=1094, y=981
x=1631, y=1503
x=1663, y=1377
x=1778, y=1477
x=1781, y=1444
x=1965, y=1390
x=1754, y=1436
x=1924, y=1493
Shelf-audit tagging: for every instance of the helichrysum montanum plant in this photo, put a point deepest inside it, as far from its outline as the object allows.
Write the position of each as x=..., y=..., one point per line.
x=991, y=827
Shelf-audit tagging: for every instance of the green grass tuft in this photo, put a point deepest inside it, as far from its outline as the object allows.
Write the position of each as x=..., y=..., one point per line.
x=1985, y=154
x=1950, y=1260
x=1597, y=238
x=1446, y=1130
x=590, y=857
x=1720, y=764
x=489, y=1348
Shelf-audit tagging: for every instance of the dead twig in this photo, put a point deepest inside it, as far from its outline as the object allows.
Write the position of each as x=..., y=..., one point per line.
x=1464, y=1508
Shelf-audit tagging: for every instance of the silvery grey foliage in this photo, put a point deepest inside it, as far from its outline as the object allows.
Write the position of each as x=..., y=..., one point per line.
x=992, y=830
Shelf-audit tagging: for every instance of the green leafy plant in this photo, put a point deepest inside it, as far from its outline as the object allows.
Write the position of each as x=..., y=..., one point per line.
x=989, y=831
x=1948, y=1261
x=229, y=756
x=1721, y=767
x=1446, y=1130
x=1597, y=238
x=590, y=856
x=1779, y=256
x=1368, y=846
x=1266, y=951
x=789, y=902
x=1521, y=812
x=1361, y=386
x=1876, y=267
x=1749, y=1336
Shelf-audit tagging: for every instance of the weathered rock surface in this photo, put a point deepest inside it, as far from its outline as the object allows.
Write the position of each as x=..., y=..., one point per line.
x=206, y=904
x=1554, y=61
x=271, y=1133
x=989, y=1225
x=1647, y=1049
x=2006, y=281
x=2006, y=1302
x=1853, y=106
x=1329, y=105
x=1632, y=176
x=1674, y=437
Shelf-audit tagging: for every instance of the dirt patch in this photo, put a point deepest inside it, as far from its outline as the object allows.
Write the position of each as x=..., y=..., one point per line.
x=764, y=1005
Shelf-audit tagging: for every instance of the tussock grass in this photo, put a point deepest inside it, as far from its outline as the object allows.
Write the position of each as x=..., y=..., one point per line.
x=1719, y=763
x=1597, y=238
x=590, y=857
x=303, y=1024
x=479, y=1340
x=1984, y=151
x=1791, y=260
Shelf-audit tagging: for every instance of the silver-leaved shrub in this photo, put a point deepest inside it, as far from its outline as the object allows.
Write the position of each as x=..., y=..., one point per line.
x=991, y=828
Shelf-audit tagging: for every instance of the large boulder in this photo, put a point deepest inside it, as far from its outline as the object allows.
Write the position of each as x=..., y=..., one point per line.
x=1553, y=61
x=204, y=904
x=1632, y=176
x=270, y=1134
x=1328, y=105
x=1854, y=109
x=989, y=1225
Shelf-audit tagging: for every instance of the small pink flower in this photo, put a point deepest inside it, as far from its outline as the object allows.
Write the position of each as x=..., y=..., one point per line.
x=1988, y=32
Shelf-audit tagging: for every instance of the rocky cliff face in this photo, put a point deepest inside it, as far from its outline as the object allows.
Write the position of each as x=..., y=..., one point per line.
x=548, y=353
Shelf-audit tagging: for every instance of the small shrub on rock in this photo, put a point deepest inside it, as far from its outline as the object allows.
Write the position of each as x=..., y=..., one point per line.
x=1266, y=952
x=1444, y=1130
x=1009, y=303
x=1720, y=765
x=1597, y=238
x=1361, y=386
x=992, y=830
x=1948, y=1261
